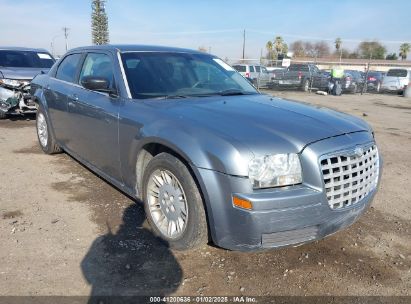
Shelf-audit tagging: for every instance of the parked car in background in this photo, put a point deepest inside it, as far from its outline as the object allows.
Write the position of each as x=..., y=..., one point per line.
x=258, y=74
x=353, y=81
x=275, y=72
x=374, y=80
x=326, y=73
x=396, y=80
x=210, y=157
x=302, y=76
x=18, y=66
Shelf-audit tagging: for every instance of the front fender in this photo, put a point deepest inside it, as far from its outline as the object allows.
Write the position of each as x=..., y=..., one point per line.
x=199, y=147
x=202, y=149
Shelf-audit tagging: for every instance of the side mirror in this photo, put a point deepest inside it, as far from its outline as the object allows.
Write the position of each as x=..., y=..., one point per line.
x=99, y=84
x=93, y=83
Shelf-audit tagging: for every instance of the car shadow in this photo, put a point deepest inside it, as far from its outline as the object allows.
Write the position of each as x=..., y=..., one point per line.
x=130, y=263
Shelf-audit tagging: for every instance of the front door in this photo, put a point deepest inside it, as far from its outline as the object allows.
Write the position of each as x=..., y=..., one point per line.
x=94, y=118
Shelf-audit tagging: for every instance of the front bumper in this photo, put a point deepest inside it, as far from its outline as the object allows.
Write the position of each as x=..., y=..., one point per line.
x=16, y=100
x=392, y=89
x=282, y=216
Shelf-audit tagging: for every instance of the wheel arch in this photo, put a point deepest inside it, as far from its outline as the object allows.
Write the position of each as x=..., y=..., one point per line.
x=149, y=149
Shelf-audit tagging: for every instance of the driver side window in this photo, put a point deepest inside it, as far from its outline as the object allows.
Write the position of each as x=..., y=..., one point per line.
x=98, y=65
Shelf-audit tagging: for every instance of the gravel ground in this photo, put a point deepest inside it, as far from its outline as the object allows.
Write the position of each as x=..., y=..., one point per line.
x=65, y=231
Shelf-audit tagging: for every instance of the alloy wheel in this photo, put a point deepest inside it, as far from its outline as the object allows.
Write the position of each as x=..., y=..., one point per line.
x=42, y=129
x=167, y=203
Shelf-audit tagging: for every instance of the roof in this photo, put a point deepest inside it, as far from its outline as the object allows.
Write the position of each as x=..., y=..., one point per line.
x=137, y=48
x=26, y=49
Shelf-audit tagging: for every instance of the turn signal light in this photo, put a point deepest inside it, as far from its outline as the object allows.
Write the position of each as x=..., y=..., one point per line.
x=242, y=203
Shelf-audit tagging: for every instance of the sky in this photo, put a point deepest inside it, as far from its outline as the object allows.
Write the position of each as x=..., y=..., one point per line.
x=216, y=25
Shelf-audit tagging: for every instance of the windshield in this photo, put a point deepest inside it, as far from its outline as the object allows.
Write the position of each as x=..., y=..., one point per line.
x=397, y=73
x=160, y=74
x=25, y=59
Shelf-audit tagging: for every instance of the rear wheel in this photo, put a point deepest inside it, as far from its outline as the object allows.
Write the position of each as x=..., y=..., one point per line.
x=46, y=140
x=2, y=115
x=354, y=88
x=306, y=85
x=378, y=87
x=173, y=204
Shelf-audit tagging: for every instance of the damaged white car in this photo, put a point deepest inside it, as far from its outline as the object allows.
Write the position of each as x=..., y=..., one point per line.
x=18, y=66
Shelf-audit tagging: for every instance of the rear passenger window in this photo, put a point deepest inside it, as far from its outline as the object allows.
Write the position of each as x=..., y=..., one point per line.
x=68, y=67
x=252, y=69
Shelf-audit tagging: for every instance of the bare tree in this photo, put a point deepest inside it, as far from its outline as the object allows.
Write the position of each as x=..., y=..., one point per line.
x=297, y=47
x=321, y=49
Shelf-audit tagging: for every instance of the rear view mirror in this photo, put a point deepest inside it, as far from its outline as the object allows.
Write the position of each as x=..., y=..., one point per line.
x=93, y=83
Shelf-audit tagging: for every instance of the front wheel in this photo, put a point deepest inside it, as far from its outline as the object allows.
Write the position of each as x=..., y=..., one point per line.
x=173, y=204
x=46, y=140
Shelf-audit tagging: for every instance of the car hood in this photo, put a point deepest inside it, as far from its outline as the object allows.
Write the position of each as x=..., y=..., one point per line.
x=21, y=73
x=265, y=124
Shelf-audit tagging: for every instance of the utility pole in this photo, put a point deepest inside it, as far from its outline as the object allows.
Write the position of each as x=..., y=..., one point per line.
x=65, y=30
x=243, y=44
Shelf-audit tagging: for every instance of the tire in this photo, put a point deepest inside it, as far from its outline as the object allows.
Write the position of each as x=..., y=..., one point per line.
x=306, y=85
x=44, y=136
x=354, y=89
x=378, y=88
x=3, y=115
x=162, y=209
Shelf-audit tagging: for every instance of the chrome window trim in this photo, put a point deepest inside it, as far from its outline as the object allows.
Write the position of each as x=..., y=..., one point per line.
x=123, y=75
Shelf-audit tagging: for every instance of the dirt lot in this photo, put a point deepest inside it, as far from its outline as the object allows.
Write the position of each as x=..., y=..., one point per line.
x=65, y=231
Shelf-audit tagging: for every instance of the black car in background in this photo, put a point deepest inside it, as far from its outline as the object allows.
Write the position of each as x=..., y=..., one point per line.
x=353, y=81
x=374, y=80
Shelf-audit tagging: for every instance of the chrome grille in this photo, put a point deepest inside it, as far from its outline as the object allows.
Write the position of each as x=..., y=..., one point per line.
x=350, y=175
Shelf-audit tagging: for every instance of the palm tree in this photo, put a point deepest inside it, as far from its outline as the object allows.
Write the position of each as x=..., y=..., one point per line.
x=338, y=43
x=269, y=47
x=279, y=44
x=404, y=50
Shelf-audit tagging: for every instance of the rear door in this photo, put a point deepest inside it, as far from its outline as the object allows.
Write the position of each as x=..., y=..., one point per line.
x=253, y=73
x=56, y=93
x=264, y=77
x=320, y=81
x=94, y=117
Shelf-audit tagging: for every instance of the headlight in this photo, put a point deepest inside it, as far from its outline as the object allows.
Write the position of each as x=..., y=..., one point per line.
x=10, y=82
x=275, y=170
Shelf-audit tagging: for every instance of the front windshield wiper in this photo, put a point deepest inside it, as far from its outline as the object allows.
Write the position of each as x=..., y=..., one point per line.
x=234, y=92
x=167, y=97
